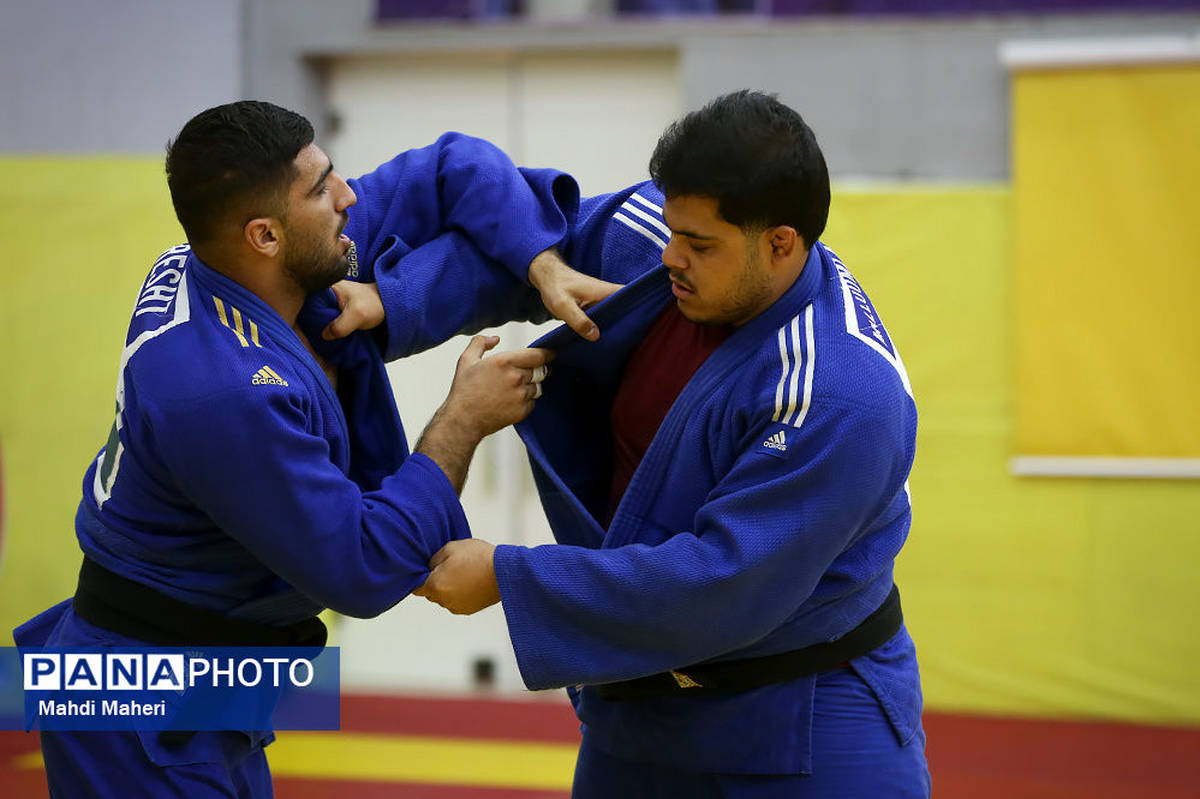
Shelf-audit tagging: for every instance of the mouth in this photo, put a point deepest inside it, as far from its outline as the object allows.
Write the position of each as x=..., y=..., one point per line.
x=681, y=289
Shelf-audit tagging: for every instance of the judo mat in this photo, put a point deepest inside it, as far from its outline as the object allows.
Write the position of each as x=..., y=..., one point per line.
x=488, y=747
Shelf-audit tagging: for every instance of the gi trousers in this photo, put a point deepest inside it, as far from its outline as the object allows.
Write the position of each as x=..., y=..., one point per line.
x=131, y=765
x=855, y=755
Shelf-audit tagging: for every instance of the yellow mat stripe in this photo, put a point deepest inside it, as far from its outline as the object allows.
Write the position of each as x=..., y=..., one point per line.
x=447, y=761
x=402, y=758
x=30, y=760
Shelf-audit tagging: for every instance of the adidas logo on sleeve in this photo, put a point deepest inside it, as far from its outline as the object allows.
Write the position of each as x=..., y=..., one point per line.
x=267, y=376
x=777, y=442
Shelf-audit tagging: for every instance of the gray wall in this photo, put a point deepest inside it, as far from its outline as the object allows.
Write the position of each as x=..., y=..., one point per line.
x=895, y=100
x=889, y=99
x=112, y=75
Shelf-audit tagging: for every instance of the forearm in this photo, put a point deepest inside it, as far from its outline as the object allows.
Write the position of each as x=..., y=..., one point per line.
x=446, y=287
x=450, y=442
x=486, y=395
x=577, y=615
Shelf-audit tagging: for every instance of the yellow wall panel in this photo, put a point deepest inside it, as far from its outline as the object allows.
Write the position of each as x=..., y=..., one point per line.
x=77, y=237
x=1031, y=596
x=1050, y=597
x=1107, y=261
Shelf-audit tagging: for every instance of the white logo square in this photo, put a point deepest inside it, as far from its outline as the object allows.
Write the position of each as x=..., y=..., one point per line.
x=41, y=673
x=164, y=672
x=83, y=672
x=124, y=672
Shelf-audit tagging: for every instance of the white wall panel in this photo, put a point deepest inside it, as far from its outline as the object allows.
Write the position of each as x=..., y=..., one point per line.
x=392, y=103
x=594, y=115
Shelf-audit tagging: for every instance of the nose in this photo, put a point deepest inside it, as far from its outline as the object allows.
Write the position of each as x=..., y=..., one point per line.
x=672, y=256
x=347, y=197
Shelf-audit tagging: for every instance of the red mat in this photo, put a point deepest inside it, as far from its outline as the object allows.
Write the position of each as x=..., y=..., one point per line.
x=971, y=757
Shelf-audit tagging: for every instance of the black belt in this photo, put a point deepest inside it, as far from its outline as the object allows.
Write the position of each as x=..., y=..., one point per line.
x=138, y=611
x=732, y=676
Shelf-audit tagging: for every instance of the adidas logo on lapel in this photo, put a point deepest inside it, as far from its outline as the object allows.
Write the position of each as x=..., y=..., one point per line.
x=775, y=444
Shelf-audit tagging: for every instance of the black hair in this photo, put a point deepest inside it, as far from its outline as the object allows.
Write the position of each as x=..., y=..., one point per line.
x=752, y=154
x=234, y=159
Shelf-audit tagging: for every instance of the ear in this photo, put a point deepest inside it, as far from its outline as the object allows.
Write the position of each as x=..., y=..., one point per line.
x=264, y=236
x=781, y=242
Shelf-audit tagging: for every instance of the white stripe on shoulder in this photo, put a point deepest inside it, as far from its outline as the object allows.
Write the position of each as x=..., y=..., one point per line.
x=789, y=377
x=809, y=362
x=794, y=378
x=655, y=208
x=656, y=221
x=783, y=373
x=620, y=217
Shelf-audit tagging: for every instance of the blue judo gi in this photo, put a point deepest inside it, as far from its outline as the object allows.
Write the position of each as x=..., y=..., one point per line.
x=237, y=480
x=765, y=517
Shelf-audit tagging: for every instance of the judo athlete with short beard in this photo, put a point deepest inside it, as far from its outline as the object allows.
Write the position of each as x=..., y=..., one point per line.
x=257, y=472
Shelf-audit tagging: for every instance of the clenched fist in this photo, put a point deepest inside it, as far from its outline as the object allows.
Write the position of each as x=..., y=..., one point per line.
x=494, y=392
x=463, y=579
x=488, y=393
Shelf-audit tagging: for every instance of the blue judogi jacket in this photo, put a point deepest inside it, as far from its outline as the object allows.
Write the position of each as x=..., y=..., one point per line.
x=234, y=477
x=765, y=516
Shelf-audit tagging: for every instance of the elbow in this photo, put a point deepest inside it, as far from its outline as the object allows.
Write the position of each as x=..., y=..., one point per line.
x=359, y=607
x=369, y=602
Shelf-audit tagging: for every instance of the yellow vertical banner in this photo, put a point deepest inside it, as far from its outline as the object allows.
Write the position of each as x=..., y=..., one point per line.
x=1106, y=218
x=77, y=236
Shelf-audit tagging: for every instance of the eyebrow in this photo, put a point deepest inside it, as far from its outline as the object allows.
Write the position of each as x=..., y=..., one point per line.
x=689, y=234
x=321, y=179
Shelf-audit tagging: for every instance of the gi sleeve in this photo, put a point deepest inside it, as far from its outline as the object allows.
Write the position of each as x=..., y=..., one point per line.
x=446, y=287
x=247, y=459
x=760, y=543
x=463, y=184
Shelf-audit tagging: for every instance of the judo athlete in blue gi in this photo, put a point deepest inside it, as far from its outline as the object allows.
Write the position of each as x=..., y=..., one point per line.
x=257, y=470
x=726, y=623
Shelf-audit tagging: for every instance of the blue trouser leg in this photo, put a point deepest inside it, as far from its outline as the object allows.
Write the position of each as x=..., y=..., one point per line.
x=129, y=765
x=855, y=755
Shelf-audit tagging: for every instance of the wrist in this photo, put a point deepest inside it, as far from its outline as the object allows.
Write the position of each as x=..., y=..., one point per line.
x=542, y=265
x=454, y=421
x=450, y=443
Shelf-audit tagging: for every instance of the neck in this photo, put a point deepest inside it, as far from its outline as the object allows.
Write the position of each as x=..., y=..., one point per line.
x=264, y=278
x=785, y=277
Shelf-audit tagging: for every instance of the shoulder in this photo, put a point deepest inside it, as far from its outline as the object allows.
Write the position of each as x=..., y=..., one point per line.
x=211, y=351
x=638, y=210
x=856, y=361
x=634, y=233
x=814, y=368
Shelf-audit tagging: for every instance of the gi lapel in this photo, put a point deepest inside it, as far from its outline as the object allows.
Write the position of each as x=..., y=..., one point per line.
x=567, y=435
x=272, y=323
x=732, y=354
